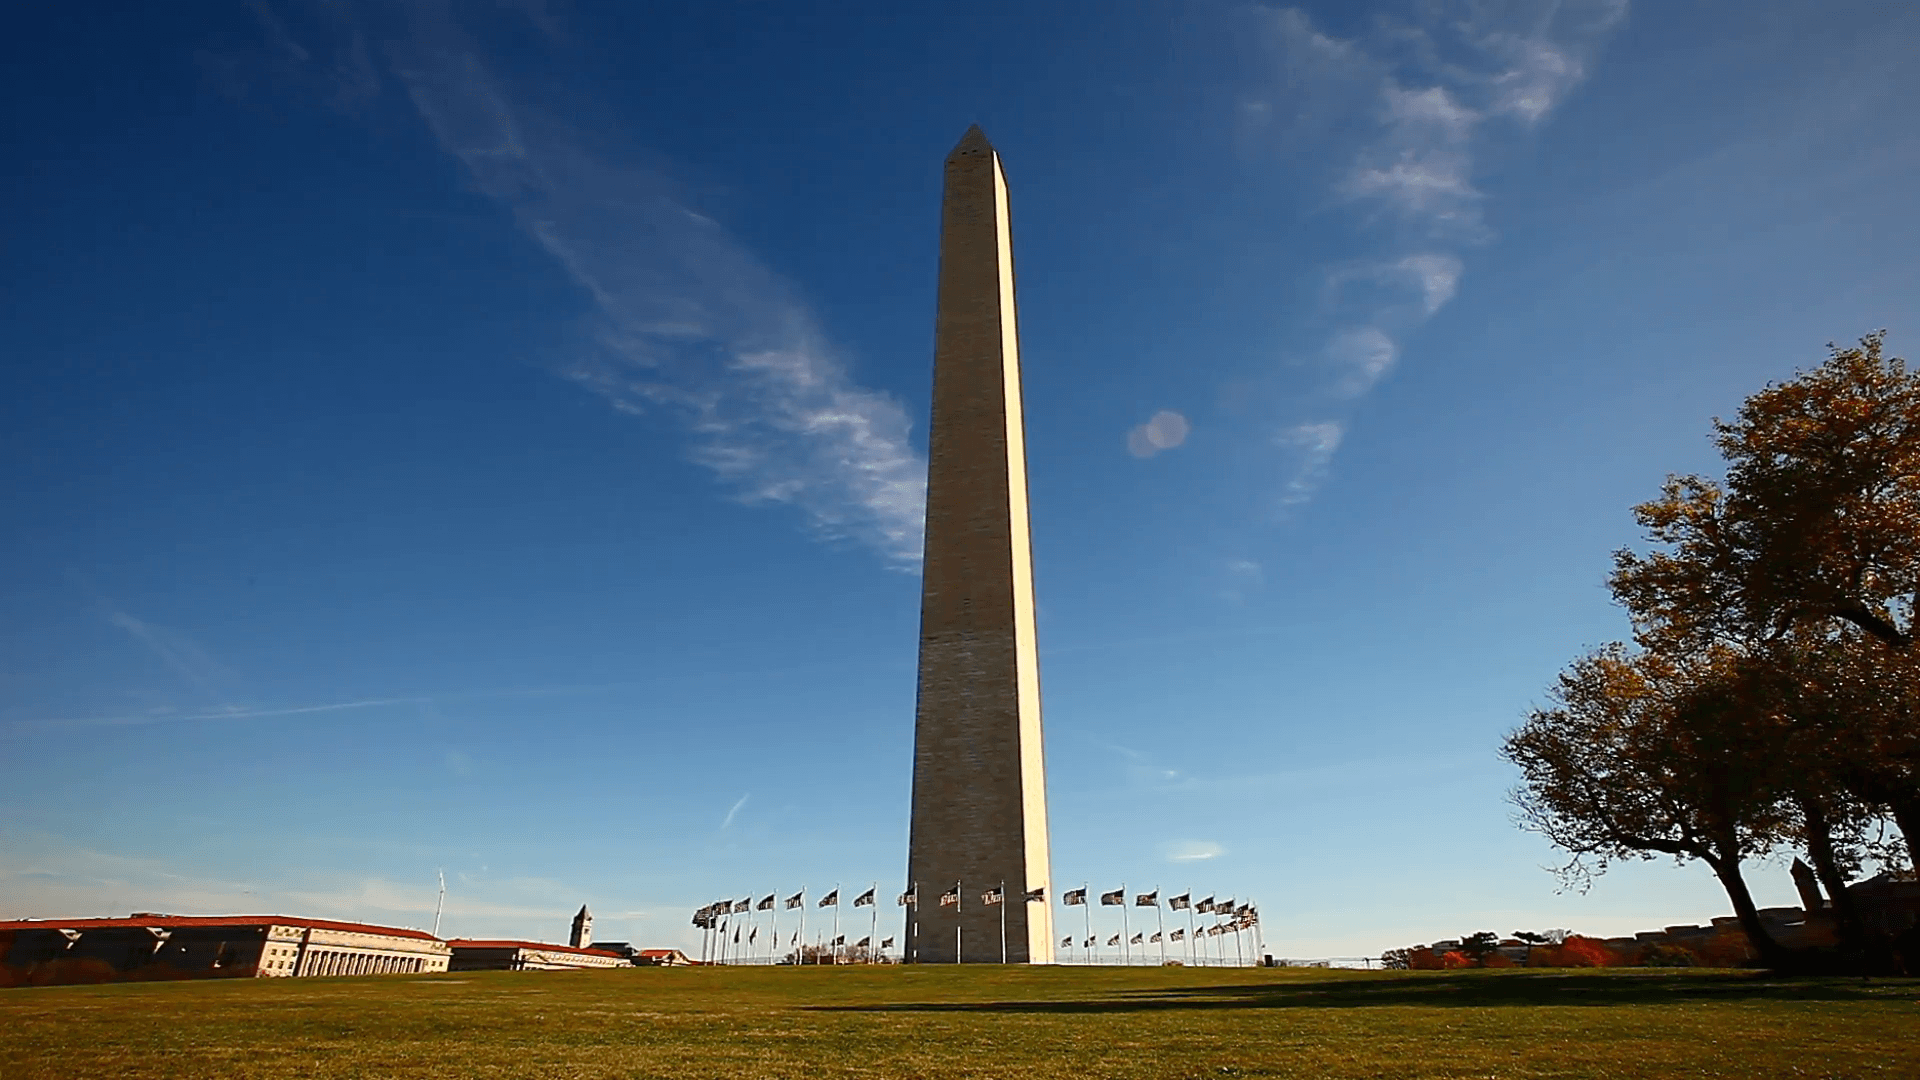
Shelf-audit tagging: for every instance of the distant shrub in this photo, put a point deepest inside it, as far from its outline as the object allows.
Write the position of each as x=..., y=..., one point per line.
x=1396, y=959
x=1580, y=951
x=1456, y=959
x=1670, y=956
x=1498, y=960
x=1725, y=950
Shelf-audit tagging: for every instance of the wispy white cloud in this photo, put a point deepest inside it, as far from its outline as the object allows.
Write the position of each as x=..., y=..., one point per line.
x=1165, y=430
x=686, y=322
x=1426, y=97
x=176, y=649
x=1311, y=448
x=381, y=896
x=168, y=716
x=734, y=811
x=1181, y=851
x=1361, y=356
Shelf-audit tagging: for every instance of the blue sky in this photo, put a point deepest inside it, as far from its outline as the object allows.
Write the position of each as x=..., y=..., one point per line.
x=490, y=437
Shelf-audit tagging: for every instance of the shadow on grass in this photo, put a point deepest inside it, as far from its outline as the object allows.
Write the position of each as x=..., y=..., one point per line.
x=1458, y=990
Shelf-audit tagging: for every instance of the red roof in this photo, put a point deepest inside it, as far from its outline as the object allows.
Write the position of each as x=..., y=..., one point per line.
x=180, y=921
x=661, y=952
x=469, y=943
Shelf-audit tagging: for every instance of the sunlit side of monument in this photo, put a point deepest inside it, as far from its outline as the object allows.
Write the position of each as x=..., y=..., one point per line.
x=979, y=783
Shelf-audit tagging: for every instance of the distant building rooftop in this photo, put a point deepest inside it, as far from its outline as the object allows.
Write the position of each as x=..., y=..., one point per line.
x=471, y=943
x=183, y=921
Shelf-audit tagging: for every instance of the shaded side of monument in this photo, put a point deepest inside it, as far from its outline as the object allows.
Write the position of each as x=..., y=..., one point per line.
x=979, y=778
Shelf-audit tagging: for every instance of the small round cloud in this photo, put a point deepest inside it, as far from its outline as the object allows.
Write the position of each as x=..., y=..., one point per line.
x=1166, y=430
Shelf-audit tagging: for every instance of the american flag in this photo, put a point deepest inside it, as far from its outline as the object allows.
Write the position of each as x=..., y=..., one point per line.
x=1181, y=902
x=1074, y=897
x=950, y=898
x=1147, y=899
x=797, y=899
x=910, y=898
x=993, y=896
x=1116, y=898
x=865, y=899
x=766, y=904
x=832, y=899
x=1037, y=896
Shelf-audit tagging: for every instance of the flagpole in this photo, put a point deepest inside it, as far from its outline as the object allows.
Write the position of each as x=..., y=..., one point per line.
x=836, y=921
x=1190, y=953
x=800, y=951
x=873, y=933
x=959, y=898
x=1126, y=946
x=1086, y=910
x=1161, y=921
x=1003, y=920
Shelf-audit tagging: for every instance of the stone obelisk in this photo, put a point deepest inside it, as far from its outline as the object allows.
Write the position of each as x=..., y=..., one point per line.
x=979, y=780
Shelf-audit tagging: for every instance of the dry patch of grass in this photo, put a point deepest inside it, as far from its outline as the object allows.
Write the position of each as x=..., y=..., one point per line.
x=1013, y=1023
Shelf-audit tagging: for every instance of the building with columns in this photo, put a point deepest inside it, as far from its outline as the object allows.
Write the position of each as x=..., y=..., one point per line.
x=146, y=946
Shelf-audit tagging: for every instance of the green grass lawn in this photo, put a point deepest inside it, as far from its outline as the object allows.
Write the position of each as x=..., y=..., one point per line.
x=1055, y=1023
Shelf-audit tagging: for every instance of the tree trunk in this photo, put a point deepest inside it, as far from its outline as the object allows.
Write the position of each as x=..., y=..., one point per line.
x=1827, y=868
x=1772, y=953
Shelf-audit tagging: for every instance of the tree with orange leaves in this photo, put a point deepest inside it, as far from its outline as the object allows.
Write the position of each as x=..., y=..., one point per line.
x=1818, y=519
x=1646, y=754
x=1774, y=697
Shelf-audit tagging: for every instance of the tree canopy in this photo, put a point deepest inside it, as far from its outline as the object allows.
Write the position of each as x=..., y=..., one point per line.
x=1771, y=697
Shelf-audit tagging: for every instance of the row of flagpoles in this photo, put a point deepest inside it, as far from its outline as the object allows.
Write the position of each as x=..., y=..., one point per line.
x=1229, y=918
x=728, y=939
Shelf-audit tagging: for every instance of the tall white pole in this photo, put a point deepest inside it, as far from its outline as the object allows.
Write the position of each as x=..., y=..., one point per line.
x=1191, y=954
x=1086, y=911
x=1160, y=921
x=441, y=904
x=1003, y=920
x=1126, y=944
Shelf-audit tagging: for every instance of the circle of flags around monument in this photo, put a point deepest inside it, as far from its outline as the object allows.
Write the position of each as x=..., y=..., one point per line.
x=728, y=938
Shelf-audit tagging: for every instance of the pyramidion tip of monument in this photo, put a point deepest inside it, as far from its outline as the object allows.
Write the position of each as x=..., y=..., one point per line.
x=974, y=141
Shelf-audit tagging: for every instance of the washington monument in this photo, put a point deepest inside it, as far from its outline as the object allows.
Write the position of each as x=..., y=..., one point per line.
x=979, y=779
